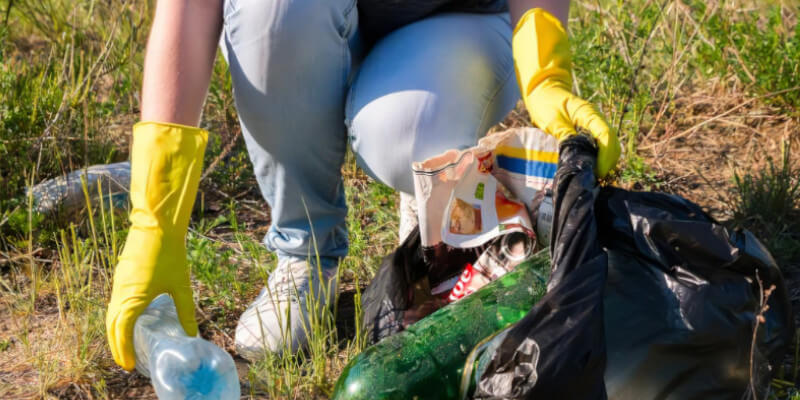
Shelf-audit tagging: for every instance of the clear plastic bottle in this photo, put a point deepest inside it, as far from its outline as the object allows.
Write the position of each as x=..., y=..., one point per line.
x=181, y=366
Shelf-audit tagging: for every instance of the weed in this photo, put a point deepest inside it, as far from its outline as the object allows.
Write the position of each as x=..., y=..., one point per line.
x=768, y=203
x=638, y=172
x=759, y=50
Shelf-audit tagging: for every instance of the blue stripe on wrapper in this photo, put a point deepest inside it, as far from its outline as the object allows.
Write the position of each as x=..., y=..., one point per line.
x=538, y=169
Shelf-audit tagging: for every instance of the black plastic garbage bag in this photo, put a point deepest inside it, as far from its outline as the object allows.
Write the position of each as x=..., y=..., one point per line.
x=401, y=292
x=391, y=293
x=682, y=300
x=679, y=306
x=558, y=350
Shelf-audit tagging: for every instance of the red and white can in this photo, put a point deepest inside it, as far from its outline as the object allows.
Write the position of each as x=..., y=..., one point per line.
x=470, y=281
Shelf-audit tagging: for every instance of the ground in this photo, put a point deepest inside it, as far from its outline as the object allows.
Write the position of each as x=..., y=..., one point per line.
x=705, y=97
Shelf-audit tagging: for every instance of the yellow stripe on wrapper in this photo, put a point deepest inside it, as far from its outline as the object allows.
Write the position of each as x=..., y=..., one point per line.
x=528, y=154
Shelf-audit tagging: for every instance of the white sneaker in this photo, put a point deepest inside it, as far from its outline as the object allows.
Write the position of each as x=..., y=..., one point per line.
x=278, y=319
x=408, y=215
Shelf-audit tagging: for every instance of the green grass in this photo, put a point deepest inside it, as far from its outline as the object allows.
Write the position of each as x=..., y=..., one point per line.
x=767, y=202
x=696, y=77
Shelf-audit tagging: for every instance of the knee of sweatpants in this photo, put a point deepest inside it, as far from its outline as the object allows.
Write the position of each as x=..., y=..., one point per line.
x=432, y=86
x=392, y=132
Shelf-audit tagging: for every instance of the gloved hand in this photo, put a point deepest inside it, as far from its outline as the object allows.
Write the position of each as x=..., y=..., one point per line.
x=166, y=161
x=543, y=66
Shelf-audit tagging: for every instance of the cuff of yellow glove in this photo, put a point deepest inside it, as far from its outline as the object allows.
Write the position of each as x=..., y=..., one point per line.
x=152, y=139
x=166, y=163
x=155, y=127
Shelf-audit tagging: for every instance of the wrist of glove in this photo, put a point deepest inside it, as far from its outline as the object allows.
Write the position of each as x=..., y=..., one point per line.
x=166, y=161
x=543, y=65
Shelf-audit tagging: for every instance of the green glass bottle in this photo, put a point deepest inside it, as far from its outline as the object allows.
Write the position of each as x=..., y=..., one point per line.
x=426, y=360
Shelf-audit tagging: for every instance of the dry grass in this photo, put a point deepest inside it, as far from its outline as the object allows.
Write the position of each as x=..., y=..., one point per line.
x=694, y=152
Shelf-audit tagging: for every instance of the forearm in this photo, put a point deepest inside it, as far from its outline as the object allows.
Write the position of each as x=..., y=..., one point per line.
x=559, y=9
x=179, y=59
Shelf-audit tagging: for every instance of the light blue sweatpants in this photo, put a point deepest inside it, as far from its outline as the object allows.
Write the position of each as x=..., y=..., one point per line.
x=304, y=83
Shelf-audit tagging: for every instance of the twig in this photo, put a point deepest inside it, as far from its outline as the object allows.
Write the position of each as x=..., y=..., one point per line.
x=7, y=258
x=7, y=216
x=755, y=335
x=742, y=64
x=224, y=153
x=212, y=322
x=763, y=308
x=52, y=138
x=251, y=208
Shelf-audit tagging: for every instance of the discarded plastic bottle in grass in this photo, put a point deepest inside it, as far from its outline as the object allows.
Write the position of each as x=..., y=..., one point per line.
x=66, y=193
x=426, y=360
x=181, y=366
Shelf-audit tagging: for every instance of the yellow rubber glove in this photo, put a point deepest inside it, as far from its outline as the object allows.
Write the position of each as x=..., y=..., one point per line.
x=166, y=161
x=543, y=65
